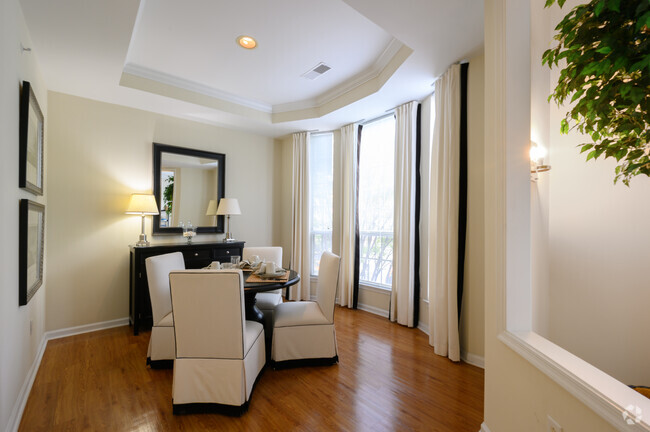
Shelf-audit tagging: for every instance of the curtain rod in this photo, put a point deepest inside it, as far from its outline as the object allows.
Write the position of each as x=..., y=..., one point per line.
x=459, y=62
x=388, y=113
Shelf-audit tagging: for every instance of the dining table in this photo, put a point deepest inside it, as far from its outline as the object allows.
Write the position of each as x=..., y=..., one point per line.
x=253, y=313
x=251, y=289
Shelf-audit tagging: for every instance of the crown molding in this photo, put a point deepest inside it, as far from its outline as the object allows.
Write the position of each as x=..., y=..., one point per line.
x=384, y=59
x=362, y=86
x=180, y=83
x=358, y=87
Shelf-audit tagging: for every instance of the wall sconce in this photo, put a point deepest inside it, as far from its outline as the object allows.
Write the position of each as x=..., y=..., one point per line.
x=537, y=166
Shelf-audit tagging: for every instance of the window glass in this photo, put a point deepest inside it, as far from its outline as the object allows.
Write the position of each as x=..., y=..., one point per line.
x=376, y=203
x=320, y=196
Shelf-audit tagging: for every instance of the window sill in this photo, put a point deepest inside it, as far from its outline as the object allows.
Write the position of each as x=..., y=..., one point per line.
x=375, y=288
x=364, y=286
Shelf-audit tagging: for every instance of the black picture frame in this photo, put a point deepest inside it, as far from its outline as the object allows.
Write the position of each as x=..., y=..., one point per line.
x=158, y=150
x=32, y=141
x=31, y=246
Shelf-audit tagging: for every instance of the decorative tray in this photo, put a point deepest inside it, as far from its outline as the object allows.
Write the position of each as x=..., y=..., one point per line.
x=278, y=274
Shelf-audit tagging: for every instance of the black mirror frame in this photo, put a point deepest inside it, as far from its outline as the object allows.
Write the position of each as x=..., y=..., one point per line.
x=158, y=149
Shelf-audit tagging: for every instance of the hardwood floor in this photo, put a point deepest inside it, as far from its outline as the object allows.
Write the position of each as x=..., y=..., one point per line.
x=388, y=379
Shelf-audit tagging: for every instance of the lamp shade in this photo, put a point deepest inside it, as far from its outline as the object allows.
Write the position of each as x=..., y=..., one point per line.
x=212, y=208
x=143, y=204
x=228, y=206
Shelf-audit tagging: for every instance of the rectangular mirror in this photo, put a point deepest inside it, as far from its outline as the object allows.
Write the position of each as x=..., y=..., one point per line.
x=184, y=183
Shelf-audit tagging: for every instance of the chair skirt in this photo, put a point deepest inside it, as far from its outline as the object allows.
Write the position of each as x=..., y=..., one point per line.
x=218, y=381
x=304, y=342
x=162, y=345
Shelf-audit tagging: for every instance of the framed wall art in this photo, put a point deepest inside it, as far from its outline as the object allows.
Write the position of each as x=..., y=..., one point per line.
x=31, y=142
x=31, y=242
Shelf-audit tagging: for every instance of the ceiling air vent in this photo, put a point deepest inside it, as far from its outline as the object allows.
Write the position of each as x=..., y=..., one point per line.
x=316, y=71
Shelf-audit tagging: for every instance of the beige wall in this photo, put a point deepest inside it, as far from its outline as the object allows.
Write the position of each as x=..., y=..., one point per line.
x=283, y=155
x=539, y=190
x=590, y=295
x=100, y=154
x=19, y=345
x=194, y=188
x=598, y=245
x=518, y=397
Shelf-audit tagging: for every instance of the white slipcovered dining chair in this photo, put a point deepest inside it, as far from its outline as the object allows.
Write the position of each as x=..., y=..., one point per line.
x=303, y=331
x=219, y=354
x=162, y=346
x=266, y=301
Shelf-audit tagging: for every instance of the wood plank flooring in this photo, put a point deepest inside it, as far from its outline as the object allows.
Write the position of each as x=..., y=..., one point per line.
x=388, y=379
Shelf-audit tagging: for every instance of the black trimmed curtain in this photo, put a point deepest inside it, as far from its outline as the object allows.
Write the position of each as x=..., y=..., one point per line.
x=349, y=217
x=447, y=215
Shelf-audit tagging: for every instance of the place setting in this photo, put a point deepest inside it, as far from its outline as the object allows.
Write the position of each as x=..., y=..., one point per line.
x=264, y=271
x=260, y=270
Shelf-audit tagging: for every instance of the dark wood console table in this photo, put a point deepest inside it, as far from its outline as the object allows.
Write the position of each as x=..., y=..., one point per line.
x=196, y=255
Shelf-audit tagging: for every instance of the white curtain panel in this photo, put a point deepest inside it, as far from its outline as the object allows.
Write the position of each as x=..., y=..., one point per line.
x=403, y=288
x=348, y=211
x=443, y=217
x=300, y=248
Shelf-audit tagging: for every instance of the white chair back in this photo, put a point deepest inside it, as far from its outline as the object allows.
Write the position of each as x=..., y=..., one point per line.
x=209, y=316
x=267, y=253
x=158, y=269
x=328, y=277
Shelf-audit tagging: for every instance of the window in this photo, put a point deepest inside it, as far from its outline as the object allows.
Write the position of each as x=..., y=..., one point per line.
x=320, y=197
x=376, y=204
x=167, y=198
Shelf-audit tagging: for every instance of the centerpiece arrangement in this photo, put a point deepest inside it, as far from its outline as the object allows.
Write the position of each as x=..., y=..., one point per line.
x=188, y=231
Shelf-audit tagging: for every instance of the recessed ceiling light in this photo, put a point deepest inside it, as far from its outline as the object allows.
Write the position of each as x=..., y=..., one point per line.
x=246, y=42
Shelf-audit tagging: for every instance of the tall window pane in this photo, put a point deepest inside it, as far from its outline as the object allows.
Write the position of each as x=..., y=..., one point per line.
x=320, y=195
x=376, y=191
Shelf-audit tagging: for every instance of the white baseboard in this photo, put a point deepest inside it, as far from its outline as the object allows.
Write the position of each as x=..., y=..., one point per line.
x=363, y=307
x=373, y=310
x=87, y=328
x=484, y=428
x=467, y=357
x=473, y=359
x=21, y=401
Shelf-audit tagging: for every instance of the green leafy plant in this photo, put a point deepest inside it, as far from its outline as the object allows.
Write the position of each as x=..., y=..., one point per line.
x=606, y=46
x=168, y=193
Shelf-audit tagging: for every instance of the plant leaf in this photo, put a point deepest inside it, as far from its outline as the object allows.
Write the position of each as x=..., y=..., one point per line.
x=564, y=127
x=614, y=5
x=604, y=50
x=591, y=155
x=603, y=53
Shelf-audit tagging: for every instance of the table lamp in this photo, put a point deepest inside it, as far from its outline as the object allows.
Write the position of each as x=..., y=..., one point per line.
x=227, y=207
x=212, y=211
x=142, y=204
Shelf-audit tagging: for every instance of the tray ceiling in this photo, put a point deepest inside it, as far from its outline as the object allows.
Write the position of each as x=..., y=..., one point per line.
x=181, y=58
